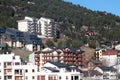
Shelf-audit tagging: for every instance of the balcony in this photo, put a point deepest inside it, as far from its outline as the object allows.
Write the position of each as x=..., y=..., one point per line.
x=8, y=67
x=7, y=71
x=18, y=73
x=37, y=55
x=37, y=59
x=37, y=63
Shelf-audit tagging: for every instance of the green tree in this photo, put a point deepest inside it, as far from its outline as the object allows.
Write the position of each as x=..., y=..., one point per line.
x=5, y=50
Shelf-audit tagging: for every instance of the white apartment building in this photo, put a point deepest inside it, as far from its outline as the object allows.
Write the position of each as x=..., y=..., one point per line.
x=47, y=27
x=59, y=71
x=109, y=73
x=7, y=62
x=12, y=68
x=43, y=27
x=109, y=58
x=29, y=24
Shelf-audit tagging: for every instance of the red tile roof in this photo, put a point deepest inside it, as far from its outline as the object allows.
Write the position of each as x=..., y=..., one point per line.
x=110, y=52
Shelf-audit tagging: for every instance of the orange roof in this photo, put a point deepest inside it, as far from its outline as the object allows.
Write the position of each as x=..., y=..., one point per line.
x=110, y=52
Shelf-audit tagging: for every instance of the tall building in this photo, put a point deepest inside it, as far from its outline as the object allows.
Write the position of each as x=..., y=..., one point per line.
x=47, y=27
x=29, y=24
x=13, y=68
x=43, y=27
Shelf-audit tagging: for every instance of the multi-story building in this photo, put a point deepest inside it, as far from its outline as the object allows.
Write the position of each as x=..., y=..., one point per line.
x=67, y=56
x=98, y=54
x=108, y=73
x=59, y=71
x=43, y=27
x=12, y=67
x=15, y=39
x=7, y=62
x=47, y=27
x=29, y=24
x=109, y=57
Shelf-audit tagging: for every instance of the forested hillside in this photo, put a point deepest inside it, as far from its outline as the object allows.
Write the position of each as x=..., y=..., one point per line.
x=72, y=19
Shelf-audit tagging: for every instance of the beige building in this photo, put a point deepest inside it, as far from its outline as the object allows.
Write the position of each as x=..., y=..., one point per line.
x=66, y=56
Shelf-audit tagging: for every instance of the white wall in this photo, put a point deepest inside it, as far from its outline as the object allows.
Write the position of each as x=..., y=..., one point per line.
x=41, y=22
x=109, y=60
x=29, y=47
x=23, y=25
x=31, y=58
x=117, y=47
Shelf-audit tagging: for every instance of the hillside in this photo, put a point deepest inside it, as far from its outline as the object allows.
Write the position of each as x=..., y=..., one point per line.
x=71, y=19
x=22, y=53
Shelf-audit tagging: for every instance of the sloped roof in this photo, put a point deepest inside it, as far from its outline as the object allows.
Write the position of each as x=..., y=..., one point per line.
x=15, y=35
x=91, y=73
x=104, y=68
x=110, y=52
x=51, y=69
x=96, y=61
x=47, y=50
x=74, y=68
x=58, y=64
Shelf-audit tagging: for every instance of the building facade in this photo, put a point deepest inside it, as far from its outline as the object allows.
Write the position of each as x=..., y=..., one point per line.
x=98, y=54
x=47, y=27
x=66, y=56
x=43, y=27
x=12, y=67
x=59, y=71
x=109, y=58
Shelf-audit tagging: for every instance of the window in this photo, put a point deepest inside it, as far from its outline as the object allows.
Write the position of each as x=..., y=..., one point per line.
x=26, y=70
x=9, y=63
x=33, y=77
x=66, y=77
x=16, y=71
x=14, y=57
x=60, y=77
x=9, y=77
x=26, y=77
x=76, y=77
x=17, y=63
x=33, y=70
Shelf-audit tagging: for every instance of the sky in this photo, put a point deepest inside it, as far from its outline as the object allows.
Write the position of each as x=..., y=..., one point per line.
x=110, y=6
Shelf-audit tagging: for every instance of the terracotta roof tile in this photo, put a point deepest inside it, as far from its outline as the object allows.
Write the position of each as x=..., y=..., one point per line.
x=110, y=52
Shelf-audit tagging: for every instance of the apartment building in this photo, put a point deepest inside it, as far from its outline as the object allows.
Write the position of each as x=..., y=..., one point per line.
x=12, y=68
x=47, y=27
x=28, y=24
x=66, y=55
x=59, y=71
x=7, y=62
x=43, y=27
x=110, y=57
x=98, y=54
